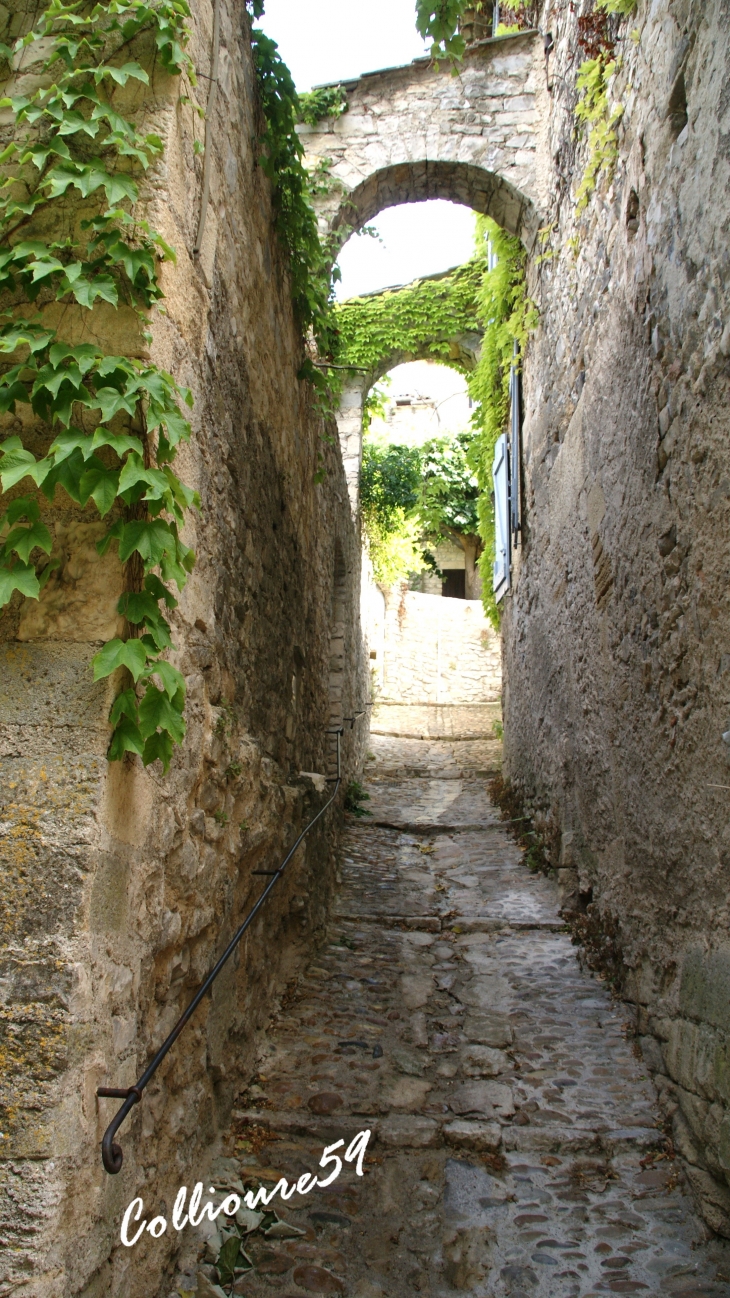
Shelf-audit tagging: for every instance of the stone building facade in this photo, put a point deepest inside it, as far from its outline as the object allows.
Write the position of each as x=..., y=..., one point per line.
x=616, y=630
x=430, y=651
x=121, y=887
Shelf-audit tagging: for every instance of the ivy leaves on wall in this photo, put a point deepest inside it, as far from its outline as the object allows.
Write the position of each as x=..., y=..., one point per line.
x=111, y=423
x=294, y=217
x=420, y=320
x=323, y=101
x=594, y=110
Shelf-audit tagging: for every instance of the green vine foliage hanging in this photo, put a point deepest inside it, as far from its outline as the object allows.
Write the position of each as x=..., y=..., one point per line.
x=103, y=429
x=508, y=315
x=422, y=319
x=294, y=217
x=602, y=121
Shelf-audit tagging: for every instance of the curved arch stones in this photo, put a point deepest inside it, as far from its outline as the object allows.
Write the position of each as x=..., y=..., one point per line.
x=418, y=132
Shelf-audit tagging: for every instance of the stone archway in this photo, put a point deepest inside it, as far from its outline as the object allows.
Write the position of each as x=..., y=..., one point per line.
x=463, y=353
x=419, y=132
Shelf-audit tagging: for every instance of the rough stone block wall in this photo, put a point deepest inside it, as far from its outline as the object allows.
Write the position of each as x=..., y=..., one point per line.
x=121, y=887
x=413, y=133
x=616, y=632
x=437, y=651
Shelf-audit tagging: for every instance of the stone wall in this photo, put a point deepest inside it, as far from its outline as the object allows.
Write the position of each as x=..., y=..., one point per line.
x=120, y=886
x=417, y=132
x=616, y=632
x=434, y=651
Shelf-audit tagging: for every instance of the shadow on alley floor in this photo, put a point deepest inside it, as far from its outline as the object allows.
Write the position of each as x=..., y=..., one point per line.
x=517, y=1148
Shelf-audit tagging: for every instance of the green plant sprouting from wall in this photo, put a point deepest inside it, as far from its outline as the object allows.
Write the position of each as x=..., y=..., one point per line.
x=593, y=109
x=102, y=428
x=623, y=7
x=324, y=101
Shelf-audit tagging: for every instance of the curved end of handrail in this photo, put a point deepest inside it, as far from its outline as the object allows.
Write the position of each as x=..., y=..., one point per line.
x=111, y=1154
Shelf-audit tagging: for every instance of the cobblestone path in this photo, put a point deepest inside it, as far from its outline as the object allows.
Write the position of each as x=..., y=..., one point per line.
x=516, y=1146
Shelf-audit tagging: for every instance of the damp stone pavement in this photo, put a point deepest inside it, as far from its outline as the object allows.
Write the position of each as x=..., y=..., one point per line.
x=517, y=1149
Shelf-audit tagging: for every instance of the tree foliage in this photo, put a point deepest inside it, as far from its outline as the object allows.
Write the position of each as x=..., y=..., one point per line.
x=449, y=492
x=438, y=21
x=389, y=483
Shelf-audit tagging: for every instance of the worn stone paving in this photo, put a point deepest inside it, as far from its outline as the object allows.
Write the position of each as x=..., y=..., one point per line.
x=517, y=1150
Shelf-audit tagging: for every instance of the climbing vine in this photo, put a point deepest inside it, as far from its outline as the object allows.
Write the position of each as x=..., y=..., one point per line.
x=420, y=320
x=593, y=109
x=281, y=153
x=111, y=424
x=507, y=315
x=104, y=428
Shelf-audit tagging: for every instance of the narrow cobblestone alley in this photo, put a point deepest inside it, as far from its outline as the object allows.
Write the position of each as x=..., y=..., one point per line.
x=517, y=1145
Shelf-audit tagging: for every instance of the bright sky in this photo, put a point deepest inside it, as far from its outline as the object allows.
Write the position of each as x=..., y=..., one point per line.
x=331, y=40
x=417, y=239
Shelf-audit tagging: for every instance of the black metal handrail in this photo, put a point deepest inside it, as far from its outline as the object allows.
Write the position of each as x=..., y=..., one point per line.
x=111, y=1152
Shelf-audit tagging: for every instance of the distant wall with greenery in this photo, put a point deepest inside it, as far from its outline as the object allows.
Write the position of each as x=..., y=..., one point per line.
x=423, y=319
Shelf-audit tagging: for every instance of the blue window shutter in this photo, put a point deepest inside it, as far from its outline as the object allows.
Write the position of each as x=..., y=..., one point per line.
x=500, y=474
x=515, y=425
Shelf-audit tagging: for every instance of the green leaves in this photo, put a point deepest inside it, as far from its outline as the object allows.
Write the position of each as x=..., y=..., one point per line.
x=294, y=216
x=438, y=21
x=15, y=463
x=423, y=317
x=113, y=259
x=149, y=726
x=593, y=108
x=22, y=532
x=325, y=101
x=19, y=577
x=131, y=654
